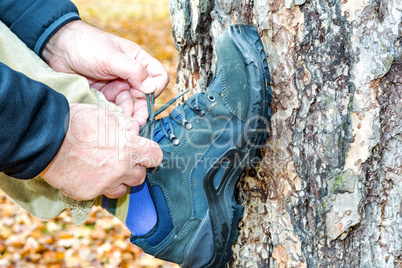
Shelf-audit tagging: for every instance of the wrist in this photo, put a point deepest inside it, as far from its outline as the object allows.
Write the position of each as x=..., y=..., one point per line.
x=58, y=43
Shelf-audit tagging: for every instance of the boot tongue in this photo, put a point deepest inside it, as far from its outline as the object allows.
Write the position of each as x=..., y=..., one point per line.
x=216, y=83
x=158, y=133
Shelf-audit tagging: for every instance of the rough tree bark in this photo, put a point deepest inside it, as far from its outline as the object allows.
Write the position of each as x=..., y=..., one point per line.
x=328, y=189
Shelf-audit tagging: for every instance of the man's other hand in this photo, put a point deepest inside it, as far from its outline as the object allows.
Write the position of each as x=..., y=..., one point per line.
x=102, y=153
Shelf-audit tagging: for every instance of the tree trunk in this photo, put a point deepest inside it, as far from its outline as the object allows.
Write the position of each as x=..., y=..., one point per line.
x=327, y=192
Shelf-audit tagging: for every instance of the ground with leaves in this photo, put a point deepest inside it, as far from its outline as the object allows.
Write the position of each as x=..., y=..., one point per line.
x=102, y=241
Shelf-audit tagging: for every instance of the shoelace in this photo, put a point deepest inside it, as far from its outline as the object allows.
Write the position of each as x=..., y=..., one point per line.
x=148, y=129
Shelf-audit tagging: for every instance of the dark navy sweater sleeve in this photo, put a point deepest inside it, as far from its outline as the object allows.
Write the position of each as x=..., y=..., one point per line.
x=34, y=119
x=35, y=21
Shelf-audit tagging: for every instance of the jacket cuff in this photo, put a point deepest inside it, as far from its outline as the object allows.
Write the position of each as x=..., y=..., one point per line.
x=35, y=21
x=52, y=29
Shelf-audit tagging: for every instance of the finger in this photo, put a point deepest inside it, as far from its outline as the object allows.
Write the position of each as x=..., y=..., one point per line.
x=160, y=75
x=137, y=94
x=141, y=95
x=161, y=83
x=112, y=89
x=116, y=192
x=133, y=71
x=154, y=67
x=140, y=111
x=132, y=126
x=145, y=152
x=126, y=102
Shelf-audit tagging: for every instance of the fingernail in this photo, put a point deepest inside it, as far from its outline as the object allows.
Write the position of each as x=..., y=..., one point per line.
x=149, y=85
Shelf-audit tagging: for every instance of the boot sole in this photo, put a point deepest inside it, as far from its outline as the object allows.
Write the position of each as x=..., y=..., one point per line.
x=224, y=211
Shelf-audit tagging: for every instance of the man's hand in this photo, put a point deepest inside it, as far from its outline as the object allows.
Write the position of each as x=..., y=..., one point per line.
x=101, y=154
x=117, y=67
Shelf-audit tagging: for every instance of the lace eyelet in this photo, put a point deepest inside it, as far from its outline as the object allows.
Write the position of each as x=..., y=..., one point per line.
x=199, y=111
x=211, y=97
x=173, y=139
x=187, y=125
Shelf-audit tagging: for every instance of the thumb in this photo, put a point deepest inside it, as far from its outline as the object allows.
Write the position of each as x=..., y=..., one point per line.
x=145, y=152
x=126, y=68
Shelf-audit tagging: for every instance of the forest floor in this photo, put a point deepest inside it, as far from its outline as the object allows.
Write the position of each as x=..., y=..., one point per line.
x=102, y=241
